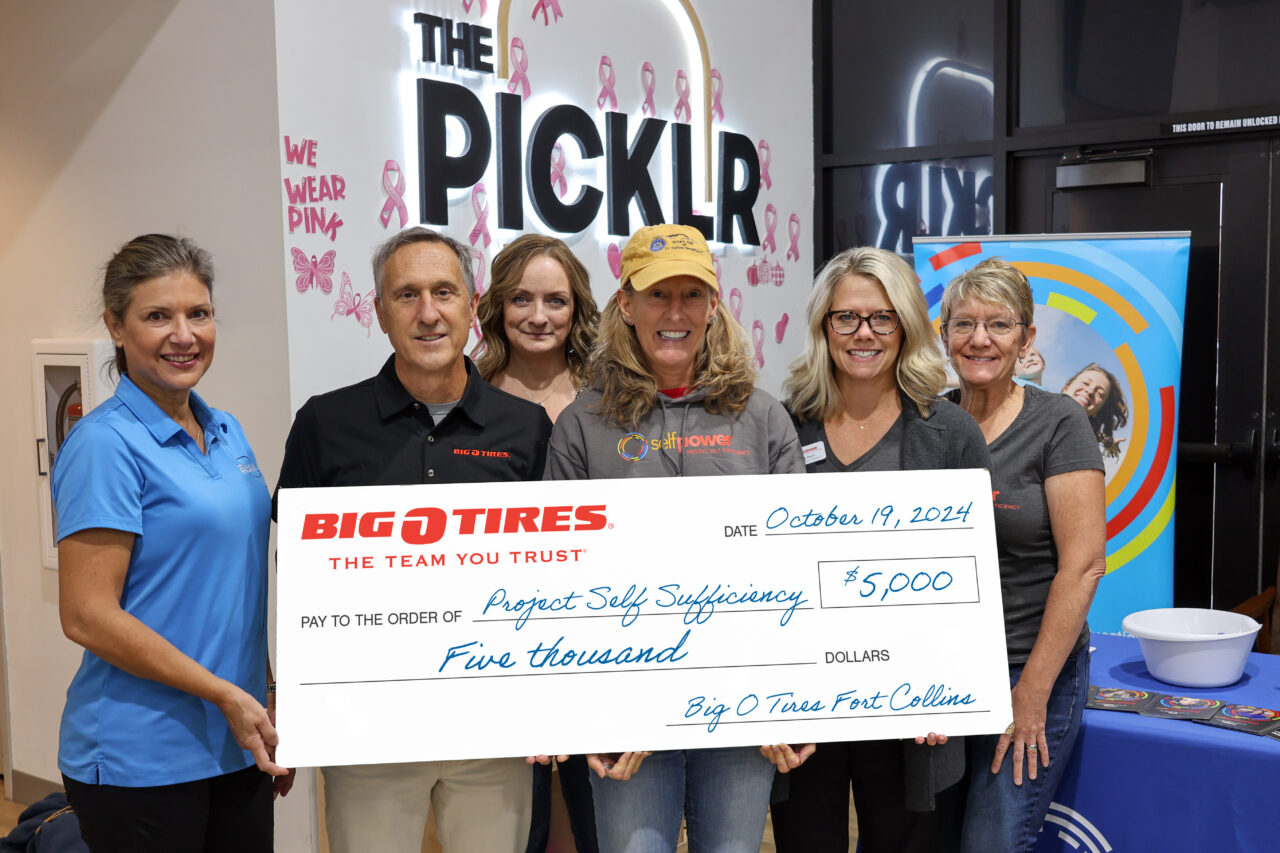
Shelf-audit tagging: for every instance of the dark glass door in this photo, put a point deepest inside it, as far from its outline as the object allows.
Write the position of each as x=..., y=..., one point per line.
x=1222, y=193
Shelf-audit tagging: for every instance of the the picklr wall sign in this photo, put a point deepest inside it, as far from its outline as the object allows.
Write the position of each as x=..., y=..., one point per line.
x=525, y=158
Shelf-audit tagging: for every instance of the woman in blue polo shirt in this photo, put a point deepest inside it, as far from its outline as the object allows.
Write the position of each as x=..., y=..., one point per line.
x=162, y=527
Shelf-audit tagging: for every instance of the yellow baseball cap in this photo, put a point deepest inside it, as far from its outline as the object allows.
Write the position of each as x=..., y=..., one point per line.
x=658, y=252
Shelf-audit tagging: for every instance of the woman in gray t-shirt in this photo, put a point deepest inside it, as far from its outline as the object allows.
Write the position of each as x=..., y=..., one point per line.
x=1050, y=513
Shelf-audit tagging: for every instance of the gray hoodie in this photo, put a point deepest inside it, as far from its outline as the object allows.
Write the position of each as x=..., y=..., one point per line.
x=677, y=438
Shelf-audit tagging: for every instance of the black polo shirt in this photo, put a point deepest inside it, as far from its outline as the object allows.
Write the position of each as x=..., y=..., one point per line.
x=374, y=433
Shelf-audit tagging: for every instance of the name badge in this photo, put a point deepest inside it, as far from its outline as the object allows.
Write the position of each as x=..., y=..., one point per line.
x=815, y=452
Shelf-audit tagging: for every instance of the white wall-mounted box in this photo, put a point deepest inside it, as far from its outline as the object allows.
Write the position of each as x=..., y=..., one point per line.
x=70, y=378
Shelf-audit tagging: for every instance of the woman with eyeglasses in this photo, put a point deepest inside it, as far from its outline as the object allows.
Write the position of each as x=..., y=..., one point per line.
x=863, y=396
x=1046, y=475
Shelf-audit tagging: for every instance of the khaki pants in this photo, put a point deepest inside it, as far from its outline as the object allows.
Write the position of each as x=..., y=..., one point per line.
x=479, y=804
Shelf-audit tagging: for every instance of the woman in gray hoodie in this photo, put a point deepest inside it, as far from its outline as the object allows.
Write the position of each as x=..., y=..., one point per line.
x=672, y=394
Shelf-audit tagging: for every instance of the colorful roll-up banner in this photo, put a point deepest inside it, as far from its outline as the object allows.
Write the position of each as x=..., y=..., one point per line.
x=1109, y=309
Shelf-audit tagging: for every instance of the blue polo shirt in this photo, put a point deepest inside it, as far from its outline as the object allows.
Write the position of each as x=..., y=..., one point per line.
x=197, y=576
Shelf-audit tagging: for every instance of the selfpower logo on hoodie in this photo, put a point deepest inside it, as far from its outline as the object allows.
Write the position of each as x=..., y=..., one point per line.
x=633, y=446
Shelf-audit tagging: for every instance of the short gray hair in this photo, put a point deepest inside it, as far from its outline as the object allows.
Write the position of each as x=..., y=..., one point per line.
x=419, y=234
x=994, y=281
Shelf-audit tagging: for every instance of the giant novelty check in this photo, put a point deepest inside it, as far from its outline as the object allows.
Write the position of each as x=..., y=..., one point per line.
x=483, y=620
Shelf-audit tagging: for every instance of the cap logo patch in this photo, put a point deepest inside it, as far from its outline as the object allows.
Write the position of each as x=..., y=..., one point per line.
x=657, y=245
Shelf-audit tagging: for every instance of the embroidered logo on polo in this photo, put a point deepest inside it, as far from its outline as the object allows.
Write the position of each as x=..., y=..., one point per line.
x=245, y=465
x=490, y=454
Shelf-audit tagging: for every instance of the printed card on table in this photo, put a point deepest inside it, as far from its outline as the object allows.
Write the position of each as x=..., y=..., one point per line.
x=1183, y=708
x=1120, y=698
x=482, y=620
x=1246, y=718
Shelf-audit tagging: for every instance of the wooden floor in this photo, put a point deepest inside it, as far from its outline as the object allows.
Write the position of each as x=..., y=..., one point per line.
x=9, y=811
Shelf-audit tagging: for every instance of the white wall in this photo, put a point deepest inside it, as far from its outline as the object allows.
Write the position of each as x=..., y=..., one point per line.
x=124, y=116
x=120, y=117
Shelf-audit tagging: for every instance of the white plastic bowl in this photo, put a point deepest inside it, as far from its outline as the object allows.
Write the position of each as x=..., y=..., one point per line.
x=1191, y=646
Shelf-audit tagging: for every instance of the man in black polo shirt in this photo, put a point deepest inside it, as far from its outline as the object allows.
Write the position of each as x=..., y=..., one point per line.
x=427, y=417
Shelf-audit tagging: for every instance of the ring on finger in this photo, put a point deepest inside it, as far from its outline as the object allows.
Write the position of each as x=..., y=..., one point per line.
x=1032, y=746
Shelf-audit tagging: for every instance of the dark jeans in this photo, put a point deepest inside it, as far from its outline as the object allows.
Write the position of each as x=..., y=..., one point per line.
x=815, y=816
x=576, y=787
x=1000, y=815
x=231, y=813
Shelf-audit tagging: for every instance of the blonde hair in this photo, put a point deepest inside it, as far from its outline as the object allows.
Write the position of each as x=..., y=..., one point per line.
x=619, y=370
x=996, y=282
x=811, y=389
x=508, y=270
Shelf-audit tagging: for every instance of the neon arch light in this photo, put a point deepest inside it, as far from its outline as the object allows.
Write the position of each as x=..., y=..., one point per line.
x=674, y=7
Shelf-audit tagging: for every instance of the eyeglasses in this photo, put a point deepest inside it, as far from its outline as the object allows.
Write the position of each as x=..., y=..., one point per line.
x=1000, y=327
x=848, y=322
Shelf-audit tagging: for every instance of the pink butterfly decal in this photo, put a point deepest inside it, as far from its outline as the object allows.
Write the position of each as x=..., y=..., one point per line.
x=349, y=303
x=312, y=272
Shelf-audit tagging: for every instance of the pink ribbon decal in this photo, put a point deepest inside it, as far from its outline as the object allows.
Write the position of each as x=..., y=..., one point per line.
x=757, y=338
x=715, y=264
x=395, y=194
x=479, y=271
x=648, y=79
x=484, y=6
x=793, y=230
x=717, y=89
x=543, y=6
x=765, y=156
x=557, y=171
x=607, y=80
x=781, y=329
x=615, y=260
x=520, y=62
x=770, y=225
x=682, y=90
x=480, y=204
x=735, y=304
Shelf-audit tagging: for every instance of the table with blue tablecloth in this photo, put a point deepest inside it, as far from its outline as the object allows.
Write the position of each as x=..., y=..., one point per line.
x=1139, y=783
